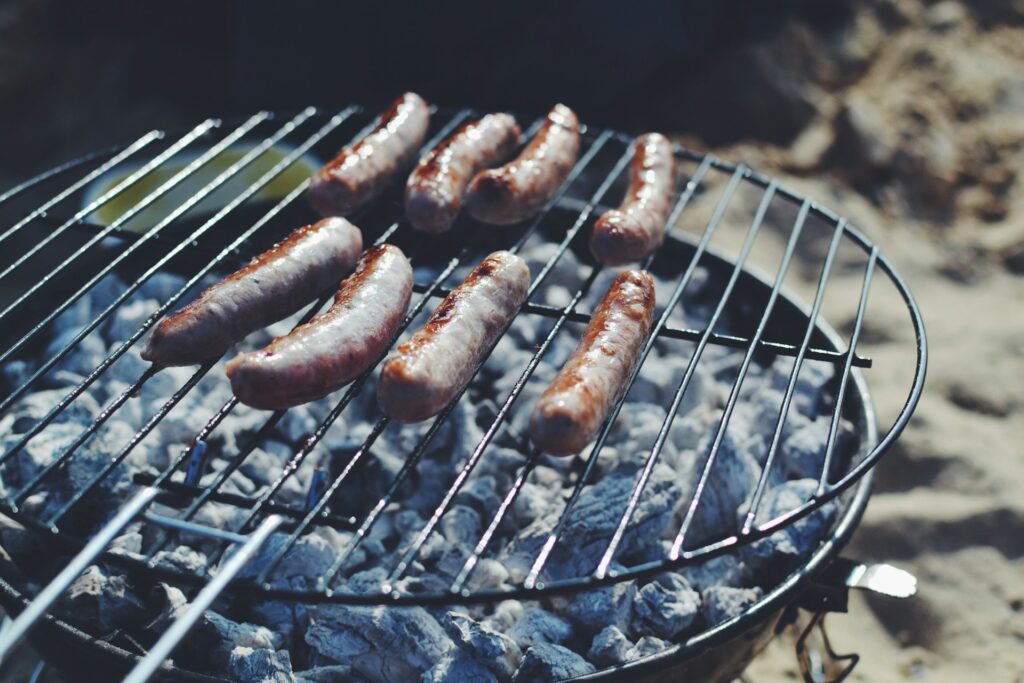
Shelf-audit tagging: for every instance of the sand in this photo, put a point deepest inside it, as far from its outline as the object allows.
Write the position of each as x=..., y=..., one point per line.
x=918, y=137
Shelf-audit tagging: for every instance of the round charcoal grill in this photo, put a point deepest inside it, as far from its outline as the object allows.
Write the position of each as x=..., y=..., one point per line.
x=201, y=204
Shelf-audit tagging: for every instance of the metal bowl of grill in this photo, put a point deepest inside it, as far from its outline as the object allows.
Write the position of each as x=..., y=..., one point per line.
x=234, y=208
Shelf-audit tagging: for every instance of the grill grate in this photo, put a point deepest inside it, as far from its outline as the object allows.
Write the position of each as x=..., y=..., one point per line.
x=263, y=509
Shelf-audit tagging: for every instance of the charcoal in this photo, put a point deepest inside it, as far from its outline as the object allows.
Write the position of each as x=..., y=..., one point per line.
x=381, y=643
x=221, y=633
x=646, y=646
x=586, y=534
x=38, y=452
x=305, y=562
x=326, y=674
x=14, y=373
x=33, y=406
x=810, y=383
x=102, y=601
x=251, y=665
x=610, y=605
x=546, y=662
x=722, y=603
x=496, y=651
x=805, y=449
x=488, y=574
x=182, y=559
x=168, y=604
x=296, y=425
x=506, y=614
x=609, y=647
x=540, y=626
x=783, y=550
x=457, y=666
x=665, y=607
x=87, y=353
x=128, y=318
x=733, y=478
x=481, y=494
x=722, y=570
x=461, y=525
x=162, y=286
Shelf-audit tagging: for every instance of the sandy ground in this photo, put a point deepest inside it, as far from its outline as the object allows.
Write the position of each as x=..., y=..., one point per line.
x=918, y=136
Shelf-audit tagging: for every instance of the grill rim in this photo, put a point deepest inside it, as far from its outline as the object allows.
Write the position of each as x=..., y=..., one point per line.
x=856, y=472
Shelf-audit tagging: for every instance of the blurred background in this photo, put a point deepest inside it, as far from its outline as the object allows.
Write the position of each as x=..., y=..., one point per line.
x=908, y=115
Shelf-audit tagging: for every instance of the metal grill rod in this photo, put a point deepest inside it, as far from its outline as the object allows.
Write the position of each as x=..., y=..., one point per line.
x=63, y=168
x=123, y=155
x=833, y=430
x=730, y=404
x=414, y=457
x=163, y=648
x=819, y=297
x=552, y=538
x=157, y=161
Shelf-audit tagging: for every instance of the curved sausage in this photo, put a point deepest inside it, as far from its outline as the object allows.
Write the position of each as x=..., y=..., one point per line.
x=335, y=347
x=571, y=410
x=362, y=171
x=272, y=286
x=434, y=191
x=634, y=230
x=425, y=373
x=522, y=188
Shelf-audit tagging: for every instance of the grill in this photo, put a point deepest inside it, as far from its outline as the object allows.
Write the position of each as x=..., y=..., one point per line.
x=224, y=192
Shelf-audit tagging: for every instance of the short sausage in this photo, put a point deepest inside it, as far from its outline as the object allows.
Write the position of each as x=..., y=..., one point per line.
x=274, y=285
x=523, y=187
x=572, y=409
x=363, y=170
x=335, y=347
x=425, y=373
x=636, y=229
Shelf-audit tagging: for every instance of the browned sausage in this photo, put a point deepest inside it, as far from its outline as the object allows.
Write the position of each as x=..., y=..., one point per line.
x=634, y=230
x=434, y=191
x=362, y=171
x=572, y=409
x=523, y=187
x=272, y=286
x=335, y=347
x=425, y=373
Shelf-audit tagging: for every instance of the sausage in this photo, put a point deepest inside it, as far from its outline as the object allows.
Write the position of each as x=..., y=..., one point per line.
x=425, y=373
x=362, y=171
x=523, y=187
x=636, y=229
x=572, y=409
x=272, y=286
x=336, y=346
x=434, y=191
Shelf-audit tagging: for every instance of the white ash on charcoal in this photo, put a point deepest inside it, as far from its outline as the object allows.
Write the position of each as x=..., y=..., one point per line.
x=273, y=640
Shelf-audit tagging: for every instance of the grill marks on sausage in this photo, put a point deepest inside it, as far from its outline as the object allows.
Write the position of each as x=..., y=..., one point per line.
x=523, y=187
x=272, y=286
x=576, y=404
x=433, y=194
x=426, y=372
x=335, y=347
x=637, y=228
x=360, y=172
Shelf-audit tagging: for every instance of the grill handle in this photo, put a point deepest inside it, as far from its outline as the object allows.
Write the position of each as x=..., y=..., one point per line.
x=830, y=592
